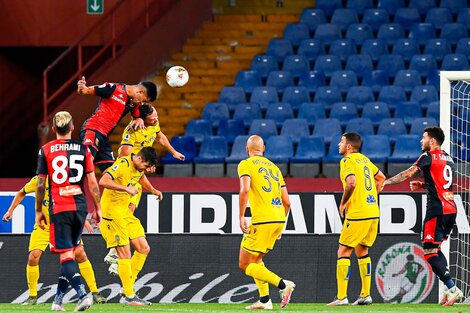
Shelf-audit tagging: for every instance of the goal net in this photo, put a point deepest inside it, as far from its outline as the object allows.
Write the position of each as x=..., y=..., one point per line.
x=454, y=120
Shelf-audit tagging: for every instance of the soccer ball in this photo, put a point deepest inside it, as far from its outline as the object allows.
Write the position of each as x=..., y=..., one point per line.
x=177, y=76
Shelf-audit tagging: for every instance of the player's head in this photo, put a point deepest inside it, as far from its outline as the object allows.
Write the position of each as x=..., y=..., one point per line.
x=433, y=137
x=143, y=92
x=145, y=159
x=149, y=114
x=255, y=145
x=410, y=257
x=151, y=90
x=350, y=142
x=62, y=123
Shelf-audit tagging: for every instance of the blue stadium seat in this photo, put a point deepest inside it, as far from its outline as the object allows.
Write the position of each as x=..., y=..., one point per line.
x=423, y=6
x=279, y=149
x=439, y=17
x=376, y=112
x=392, y=95
x=280, y=80
x=185, y=145
x=407, y=149
x=391, y=32
x=264, y=64
x=279, y=48
x=362, y=126
x=327, y=64
x=328, y=6
x=424, y=94
x=214, y=112
x=296, y=32
x=343, y=112
x=327, y=33
x=295, y=96
x=376, y=80
x=433, y=79
x=433, y=110
x=423, y=63
x=390, y=64
x=408, y=111
x=375, y=18
x=307, y=158
x=327, y=128
x=392, y=127
x=376, y=148
x=360, y=95
x=422, y=32
x=238, y=152
x=360, y=64
x=454, y=62
x=437, y=47
x=279, y=112
x=248, y=80
x=406, y=47
x=211, y=159
x=296, y=65
x=407, y=79
x=294, y=129
x=391, y=5
x=453, y=32
x=264, y=96
x=247, y=112
x=359, y=5
x=311, y=112
x=359, y=33
x=407, y=17
x=232, y=96
x=374, y=48
x=464, y=17
x=344, y=17
x=343, y=80
x=312, y=80
x=454, y=5
x=311, y=49
x=264, y=128
x=199, y=129
x=327, y=96
x=343, y=48
x=463, y=47
x=231, y=129
x=418, y=125
x=313, y=18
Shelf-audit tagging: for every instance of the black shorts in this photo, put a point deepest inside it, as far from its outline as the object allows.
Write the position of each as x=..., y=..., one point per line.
x=100, y=148
x=66, y=230
x=436, y=229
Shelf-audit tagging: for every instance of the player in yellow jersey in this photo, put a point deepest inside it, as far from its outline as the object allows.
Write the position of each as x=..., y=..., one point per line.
x=38, y=243
x=359, y=206
x=120, y=227
x=261, y=183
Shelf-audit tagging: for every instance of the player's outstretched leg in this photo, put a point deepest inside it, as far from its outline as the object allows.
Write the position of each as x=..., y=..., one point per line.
x=286, y=293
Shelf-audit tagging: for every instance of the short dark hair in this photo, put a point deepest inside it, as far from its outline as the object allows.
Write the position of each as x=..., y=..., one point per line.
x=151, y=90
x=436, y=133
x=145, y=109
x=149, y=155
x=354, y=139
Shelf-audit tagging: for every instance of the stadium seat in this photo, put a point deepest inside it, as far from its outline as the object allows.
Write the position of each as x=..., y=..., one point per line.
x=231, y=129
x=424, y=94
x=376, y=112
x=199, y=129
x=296, y=32
x=311, y=112
x=176, y=168
x=392, y=95
x=359, y=5
x=433, y=79
x=237, y=154
x=344, y=17
x=360, y=64
x=391, y=5
x=376, y=80
x=406, y=47
x=311, y=49
x=279, y=112
x=392, y=127
x=313, y=18
x=327, y=33
x=343, y=112
x=248, y=80
x=463, y=47
x=454, y=5
x=438, y=48
x=375, y=17
x=331, y=160
x=359, y=33
x=279, y=48
x=264, y=64
x=407, y=150
x=343, y=48
x=390, y=32
x=453, y=32
x=296, y=65
x=438, y=17
x=263, y=96
x=211, y=159
x=232, y=95
x=327, y=96
x=407, y=17
x=214, y=112
x=407, y=79
x=374, y=48
x=247, y=112
x=422, y=32
x=294, y=129
x=308, y=157
x=327, y=64
x=454, y=62
x=423, y=64
x=433, y=110
x=390, y=64
x=295, y=96
x=408, y=111
x=377, y=149
x=264, y=128
x=362, y=126
x=279, y=149
x=280, y=80
x=312, y=80
x=343, y=80
x=327, y=128
x=423, y=6
x=418, y=125
x=464, y=17
x=360, y=95
x=328, y=6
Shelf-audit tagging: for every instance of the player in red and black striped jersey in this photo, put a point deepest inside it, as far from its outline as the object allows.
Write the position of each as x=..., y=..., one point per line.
x=438, y=169
x=66, y=163
x=116, y=100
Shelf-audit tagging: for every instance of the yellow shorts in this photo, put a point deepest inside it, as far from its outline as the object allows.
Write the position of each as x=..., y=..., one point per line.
x=136, y=198
x=39, y=239
x=363, y=232
x=118, y=231
x=261, y=238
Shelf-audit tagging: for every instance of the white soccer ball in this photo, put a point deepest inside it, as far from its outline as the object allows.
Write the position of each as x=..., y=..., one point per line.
x=177, y=76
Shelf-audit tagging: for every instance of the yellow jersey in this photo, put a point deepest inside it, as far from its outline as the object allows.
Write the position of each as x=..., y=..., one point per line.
x=265, y=189
x=363, y=203
x=31, y=187
x=139, y=138
x=115, y=203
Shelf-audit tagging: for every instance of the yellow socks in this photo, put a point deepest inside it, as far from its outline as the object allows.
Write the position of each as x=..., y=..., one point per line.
x=86, y=270
x=32, y=277
x=125, y=274
x=260, y=272
x=343, y=267
x=137, y=263
x=364, y=270
x=263, y=286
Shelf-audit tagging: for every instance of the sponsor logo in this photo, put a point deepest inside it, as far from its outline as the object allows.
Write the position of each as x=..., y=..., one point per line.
x=403, y=275
x=370, y=199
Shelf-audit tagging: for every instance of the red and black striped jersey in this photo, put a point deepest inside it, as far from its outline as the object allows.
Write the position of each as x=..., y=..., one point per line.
x=65, y=162
x=113, y=105
x=439, y=174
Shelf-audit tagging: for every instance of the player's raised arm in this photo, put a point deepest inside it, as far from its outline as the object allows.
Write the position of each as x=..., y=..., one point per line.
x=82, y=88
x=402, y=176
x=148, y=186
x=107, y=182
x=19, y=196
x=163, y=140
